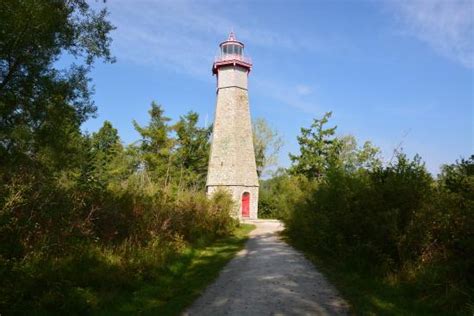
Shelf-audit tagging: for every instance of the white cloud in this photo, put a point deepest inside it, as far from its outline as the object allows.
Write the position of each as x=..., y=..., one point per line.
x=288, y=94
x=162, y=33
x=303, y=89
x=183, y=36
x=446, y=25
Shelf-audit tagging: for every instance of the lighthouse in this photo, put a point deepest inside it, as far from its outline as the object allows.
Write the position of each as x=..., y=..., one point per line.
x=232, y=159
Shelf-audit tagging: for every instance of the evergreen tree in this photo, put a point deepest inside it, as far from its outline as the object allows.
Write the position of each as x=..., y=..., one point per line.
x=155, y=147
x=319, y=149
x=107, y=153
x=106, y=141
x=192, y=150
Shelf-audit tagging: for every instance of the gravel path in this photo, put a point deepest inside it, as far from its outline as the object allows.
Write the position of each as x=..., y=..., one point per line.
x=269, y=277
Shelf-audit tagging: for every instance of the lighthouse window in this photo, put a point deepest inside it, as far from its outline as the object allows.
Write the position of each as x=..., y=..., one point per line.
x=232, y=50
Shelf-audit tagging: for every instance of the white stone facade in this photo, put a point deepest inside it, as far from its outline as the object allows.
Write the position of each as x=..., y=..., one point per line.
x=237, y=192
x=232, y=160
x=232, y=76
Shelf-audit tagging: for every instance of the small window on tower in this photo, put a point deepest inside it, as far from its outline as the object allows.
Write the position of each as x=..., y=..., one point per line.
x=224, y=50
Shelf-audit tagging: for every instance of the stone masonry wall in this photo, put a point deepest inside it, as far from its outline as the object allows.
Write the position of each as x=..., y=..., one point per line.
x=237, y=192
x=232, y=159
x=232, y=76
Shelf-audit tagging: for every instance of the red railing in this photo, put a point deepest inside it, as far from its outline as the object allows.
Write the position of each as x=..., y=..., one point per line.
x=226, y=57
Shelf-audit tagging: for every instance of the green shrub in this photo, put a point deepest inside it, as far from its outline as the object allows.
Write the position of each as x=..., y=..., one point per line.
x=394, y=221
x=62, y=247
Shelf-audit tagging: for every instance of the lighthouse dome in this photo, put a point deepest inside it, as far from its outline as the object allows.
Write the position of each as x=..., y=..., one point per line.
x=232, y=46
x=231, y=53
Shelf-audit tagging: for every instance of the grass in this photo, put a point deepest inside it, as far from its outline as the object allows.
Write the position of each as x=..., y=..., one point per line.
x=368, y=294
x=181, y=282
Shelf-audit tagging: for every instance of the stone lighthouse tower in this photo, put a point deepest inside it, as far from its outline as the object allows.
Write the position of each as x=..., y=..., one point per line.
x=232, y=162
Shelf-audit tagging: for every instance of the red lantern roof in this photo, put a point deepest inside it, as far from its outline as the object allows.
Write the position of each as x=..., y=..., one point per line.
x=231, y=53
x=232, y=40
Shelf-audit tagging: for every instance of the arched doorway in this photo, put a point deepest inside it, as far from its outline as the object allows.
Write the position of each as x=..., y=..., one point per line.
x=246, y=204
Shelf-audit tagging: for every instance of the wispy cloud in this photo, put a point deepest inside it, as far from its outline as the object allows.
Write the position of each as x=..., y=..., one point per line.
x=303, y=89
x=289, y=94
x=446, y=25
x=182, y=35
x=163, y=33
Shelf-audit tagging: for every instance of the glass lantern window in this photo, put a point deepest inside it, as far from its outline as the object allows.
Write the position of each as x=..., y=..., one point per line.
x=231, y=49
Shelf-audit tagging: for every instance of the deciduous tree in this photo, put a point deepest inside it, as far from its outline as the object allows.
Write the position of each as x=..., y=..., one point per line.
x=41, y=105
x=267, y=144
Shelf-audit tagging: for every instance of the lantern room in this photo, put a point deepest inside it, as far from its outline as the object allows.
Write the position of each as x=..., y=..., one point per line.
x=231, y=53
x=231, y=46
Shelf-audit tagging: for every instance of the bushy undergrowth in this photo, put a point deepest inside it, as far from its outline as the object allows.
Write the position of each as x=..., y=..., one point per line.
x=68, y=250
x=82, y=214
x=394, y=222
x=388, y=223
x=81, y=223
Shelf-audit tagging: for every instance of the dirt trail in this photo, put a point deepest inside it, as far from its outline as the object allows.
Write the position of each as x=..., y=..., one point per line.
x=269, y=277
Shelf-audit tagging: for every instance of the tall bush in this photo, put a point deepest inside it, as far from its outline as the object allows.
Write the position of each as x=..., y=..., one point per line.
x=384, y=220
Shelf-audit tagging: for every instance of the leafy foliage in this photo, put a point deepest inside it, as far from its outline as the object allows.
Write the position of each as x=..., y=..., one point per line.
x=191, y=154
x=82, y=214
x=267, y=144
x=41, y=107
x=155, y=145
x=318, y=149
x=83, y=217
x=392, y=222
x=174, y=154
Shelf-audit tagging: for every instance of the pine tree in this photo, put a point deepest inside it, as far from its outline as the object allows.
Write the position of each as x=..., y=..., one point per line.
x=155, y=146
x=108, y=157
x=191, y=154
x=319, y=149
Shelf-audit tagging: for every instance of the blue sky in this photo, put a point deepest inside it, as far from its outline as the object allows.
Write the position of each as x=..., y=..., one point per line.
x=397, y=73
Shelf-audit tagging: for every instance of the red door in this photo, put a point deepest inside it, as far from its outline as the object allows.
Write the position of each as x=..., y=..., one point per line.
x=246, y=204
